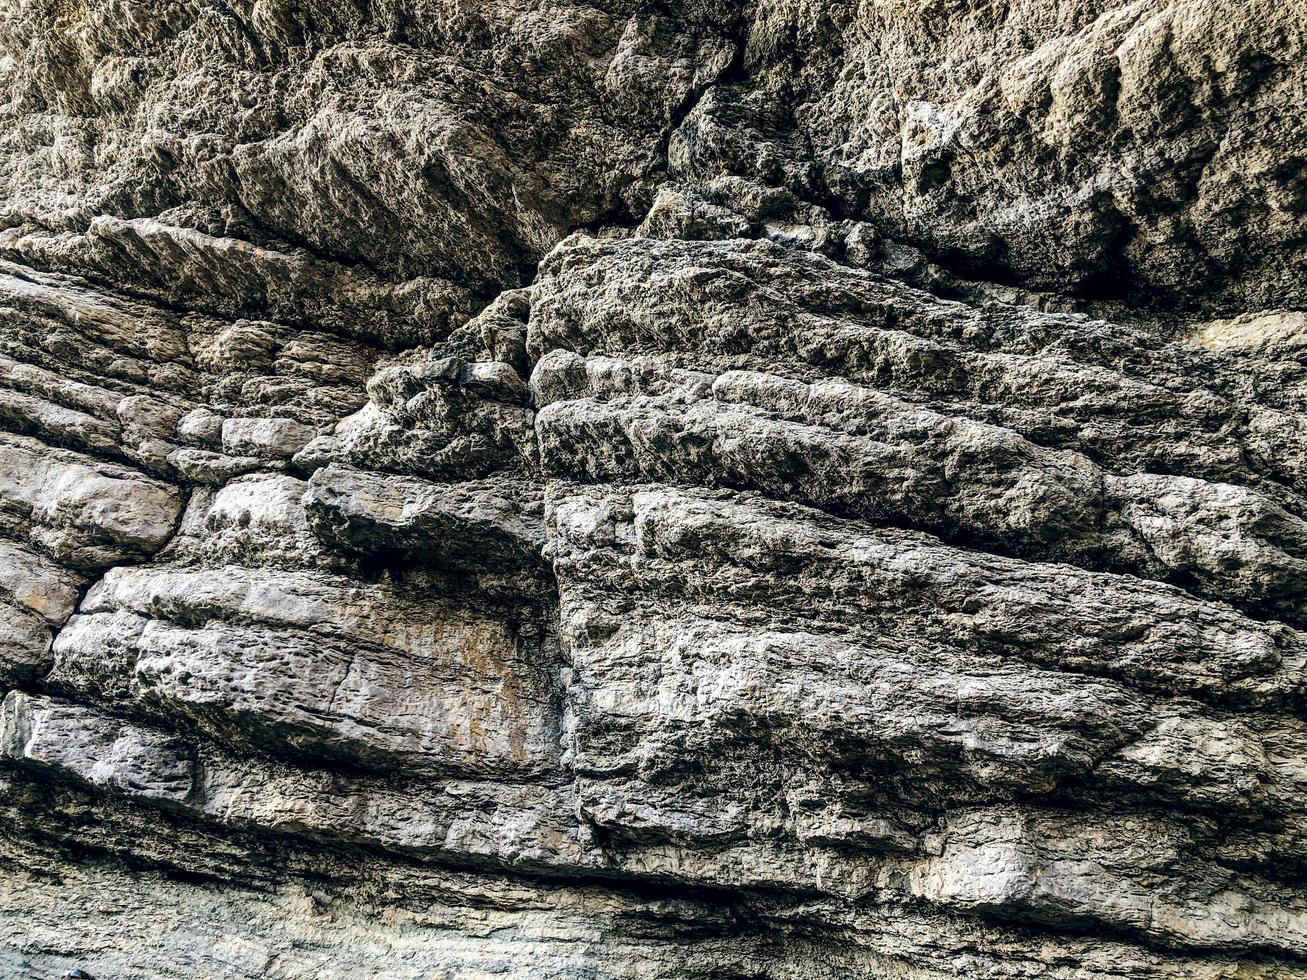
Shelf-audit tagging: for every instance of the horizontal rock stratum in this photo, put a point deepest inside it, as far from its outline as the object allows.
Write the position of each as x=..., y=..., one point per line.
x=653, y=490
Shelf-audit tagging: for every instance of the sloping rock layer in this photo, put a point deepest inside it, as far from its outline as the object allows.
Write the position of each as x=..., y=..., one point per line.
x=694, y=489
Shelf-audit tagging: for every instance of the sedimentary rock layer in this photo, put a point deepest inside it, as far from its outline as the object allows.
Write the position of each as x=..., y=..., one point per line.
x=677, y=490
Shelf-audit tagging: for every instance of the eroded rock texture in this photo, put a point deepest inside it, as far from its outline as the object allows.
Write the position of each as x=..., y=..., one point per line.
x=694, y=489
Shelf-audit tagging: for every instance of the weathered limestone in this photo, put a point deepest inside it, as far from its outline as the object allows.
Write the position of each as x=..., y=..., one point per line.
x=696, y=490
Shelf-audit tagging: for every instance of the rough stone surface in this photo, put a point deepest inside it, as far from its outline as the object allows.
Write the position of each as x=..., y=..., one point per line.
x=697, y=489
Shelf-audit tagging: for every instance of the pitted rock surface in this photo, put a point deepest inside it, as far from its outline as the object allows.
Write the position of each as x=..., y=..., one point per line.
x=694, y=489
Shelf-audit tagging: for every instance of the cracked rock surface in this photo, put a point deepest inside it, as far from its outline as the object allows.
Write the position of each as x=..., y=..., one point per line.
x=653, y=490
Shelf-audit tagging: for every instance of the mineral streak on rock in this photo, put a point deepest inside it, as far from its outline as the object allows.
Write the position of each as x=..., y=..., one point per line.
x=690, y=489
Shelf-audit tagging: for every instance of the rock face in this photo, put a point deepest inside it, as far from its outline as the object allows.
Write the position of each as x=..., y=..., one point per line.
x=695, y=489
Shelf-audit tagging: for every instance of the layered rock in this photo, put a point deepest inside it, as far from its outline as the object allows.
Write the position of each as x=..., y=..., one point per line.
x=625, y=491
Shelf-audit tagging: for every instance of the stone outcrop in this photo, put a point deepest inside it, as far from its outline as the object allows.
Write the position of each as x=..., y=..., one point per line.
x=678, y=490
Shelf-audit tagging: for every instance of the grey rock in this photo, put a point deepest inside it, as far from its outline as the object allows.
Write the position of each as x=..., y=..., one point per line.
x=82, y=511
x=471, y=524
x=94, y=748
x=272, y=438
x=687, y=490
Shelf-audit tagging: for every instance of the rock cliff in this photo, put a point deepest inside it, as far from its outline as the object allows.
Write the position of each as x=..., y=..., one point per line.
x=680, y=489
